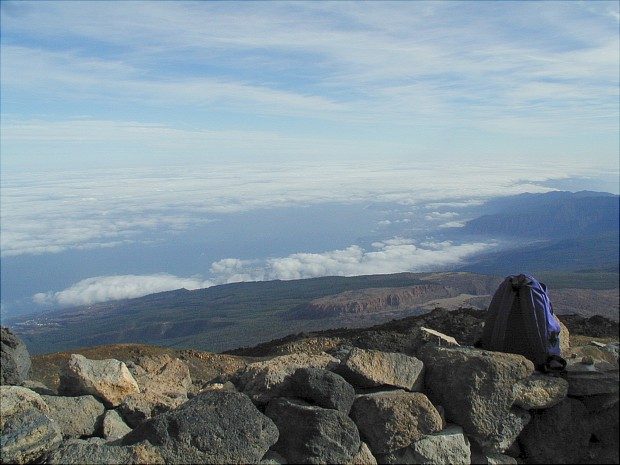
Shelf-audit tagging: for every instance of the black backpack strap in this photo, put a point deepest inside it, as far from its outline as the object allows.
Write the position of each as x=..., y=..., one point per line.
x=554, y=364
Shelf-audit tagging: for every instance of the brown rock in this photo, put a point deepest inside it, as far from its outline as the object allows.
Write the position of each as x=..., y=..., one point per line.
x=475, y=387
x=28, y=432
x=372, y=368
x=540, y=391
x=391, y=420
x=163, y=381
x=109, y=380
x=265, y=380
x=363, y=456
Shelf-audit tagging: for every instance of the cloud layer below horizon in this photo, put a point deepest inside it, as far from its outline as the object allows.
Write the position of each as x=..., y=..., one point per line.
x=53, y=212
x=389, y=256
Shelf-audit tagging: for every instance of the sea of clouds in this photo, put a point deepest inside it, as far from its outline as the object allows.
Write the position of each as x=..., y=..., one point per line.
x=55, y=212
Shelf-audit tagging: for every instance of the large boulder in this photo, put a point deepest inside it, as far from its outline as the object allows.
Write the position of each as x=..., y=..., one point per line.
x=212, y=427
x=27, y=431
x=321, y=387
x=164, y=382
x=76, y=416
x=391, y=420
x=78, y=452
x=557, y=435
x=586, y=380
x=447, y=446
x=267, y=379
x=311, y=434
x=113, y=426
x=108, y=380
x=540, y=391
x=373, y=368
x=506, y=433
x=475, y=387
x=604, y=425
x=15, y=360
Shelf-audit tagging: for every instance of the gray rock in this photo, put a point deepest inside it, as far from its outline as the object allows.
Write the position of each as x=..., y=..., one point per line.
x=163, y=381
x=590, y=383
x=15, y=359
x=392, y=420
x=113, y=426
x=492, y=458
x=604, y=426
x=507, y=432
x=108, y=380
x=78, y=452
x=212, y=427
x=540, y=391
x=273, y=458
x=27, y=432
x=311, y=434
x=267, y=379
x=475, y=387
x=76, y=416
x=599, y=402
x=447, y=446
x=321, y=387
x=372, y=368
x=363, y=457
x=38, y=387
x=557, y=435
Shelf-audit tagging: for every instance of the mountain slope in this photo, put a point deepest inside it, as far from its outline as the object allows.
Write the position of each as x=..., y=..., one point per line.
x=556, y=218
x=227, y=316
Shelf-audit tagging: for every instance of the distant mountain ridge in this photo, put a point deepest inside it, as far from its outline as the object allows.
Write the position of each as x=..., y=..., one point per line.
x=554, y=231
x=558, y=217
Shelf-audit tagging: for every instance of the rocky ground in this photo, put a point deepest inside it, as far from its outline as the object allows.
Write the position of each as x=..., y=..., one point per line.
x=408, y=391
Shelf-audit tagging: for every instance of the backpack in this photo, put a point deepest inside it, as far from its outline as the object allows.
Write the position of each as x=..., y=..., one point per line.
x=520, y=320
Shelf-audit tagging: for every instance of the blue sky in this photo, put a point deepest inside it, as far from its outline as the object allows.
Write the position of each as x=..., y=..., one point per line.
x=87, y=84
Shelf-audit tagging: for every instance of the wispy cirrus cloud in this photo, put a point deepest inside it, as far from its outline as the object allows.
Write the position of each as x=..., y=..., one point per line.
x=424, y=74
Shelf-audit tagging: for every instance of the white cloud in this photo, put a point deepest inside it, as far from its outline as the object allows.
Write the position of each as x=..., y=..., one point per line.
x=441, y=215
x=103, y=288
x=389, y=256
x=53, y=212
x=453, y=224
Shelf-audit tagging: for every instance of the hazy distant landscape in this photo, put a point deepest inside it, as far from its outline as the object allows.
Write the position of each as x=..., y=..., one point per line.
x=159, y=146
x=570, y=240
